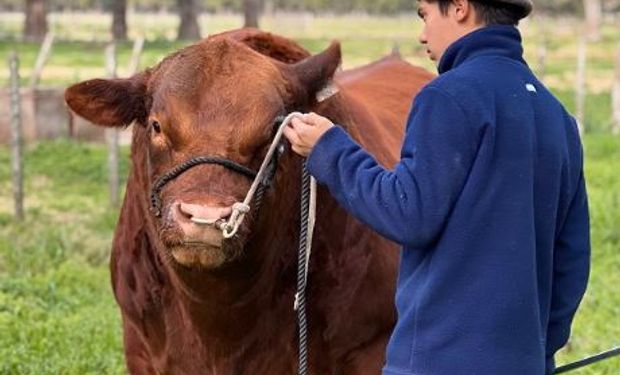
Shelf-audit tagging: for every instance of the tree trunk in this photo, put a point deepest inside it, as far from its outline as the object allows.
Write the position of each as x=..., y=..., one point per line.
x=250, y=12
x=594, y=14
x=36, y=20
x=188, y=28
x=119, y=21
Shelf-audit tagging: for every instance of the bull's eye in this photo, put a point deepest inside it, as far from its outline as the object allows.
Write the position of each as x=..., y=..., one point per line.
x=156, y=127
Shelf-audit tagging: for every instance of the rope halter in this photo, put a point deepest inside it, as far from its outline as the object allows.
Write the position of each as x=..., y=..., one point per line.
x=261, y=179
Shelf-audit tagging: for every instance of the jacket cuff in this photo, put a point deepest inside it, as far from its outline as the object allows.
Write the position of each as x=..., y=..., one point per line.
x=325, y=153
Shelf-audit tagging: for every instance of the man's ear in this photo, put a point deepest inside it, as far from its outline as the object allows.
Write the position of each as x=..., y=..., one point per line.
x=315, y=73
x=463, y=10
x=110, y=102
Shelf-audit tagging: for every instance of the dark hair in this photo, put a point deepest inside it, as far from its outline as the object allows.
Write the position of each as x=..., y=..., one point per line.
x=488, y=12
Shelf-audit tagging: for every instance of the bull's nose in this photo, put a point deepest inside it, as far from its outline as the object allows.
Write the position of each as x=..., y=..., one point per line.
x=201, y=214
x=198, y=222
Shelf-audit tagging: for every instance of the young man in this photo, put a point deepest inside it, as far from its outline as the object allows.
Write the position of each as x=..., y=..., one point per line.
x=488, y=202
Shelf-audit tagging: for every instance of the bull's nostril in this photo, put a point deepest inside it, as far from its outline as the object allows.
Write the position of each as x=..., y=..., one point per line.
x=202, y=214
x=182, y=209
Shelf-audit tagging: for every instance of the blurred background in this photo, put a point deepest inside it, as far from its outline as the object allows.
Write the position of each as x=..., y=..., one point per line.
x=61, y=179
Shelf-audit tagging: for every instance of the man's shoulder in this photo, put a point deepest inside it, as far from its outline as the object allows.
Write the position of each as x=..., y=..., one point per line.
x=461, y=87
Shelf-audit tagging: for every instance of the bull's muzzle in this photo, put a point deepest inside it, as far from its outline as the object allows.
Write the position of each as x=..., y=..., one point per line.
x=201, y=223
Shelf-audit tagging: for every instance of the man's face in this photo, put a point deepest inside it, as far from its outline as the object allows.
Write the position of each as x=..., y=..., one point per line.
x=440, y=30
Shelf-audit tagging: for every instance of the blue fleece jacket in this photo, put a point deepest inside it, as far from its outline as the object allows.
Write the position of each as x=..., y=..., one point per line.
x=489, y=204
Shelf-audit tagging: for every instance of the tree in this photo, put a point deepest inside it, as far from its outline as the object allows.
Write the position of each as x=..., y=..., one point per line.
x=250, y=12
x=188, y=28
x=119, y=22
x=593, y=13
x=35, y=26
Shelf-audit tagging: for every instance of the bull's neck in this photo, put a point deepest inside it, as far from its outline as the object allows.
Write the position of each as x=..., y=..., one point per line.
x=249, y=281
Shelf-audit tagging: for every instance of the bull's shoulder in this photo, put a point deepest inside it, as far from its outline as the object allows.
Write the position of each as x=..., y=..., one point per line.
x=390, y=68
x=353, y=279
x=378, y=99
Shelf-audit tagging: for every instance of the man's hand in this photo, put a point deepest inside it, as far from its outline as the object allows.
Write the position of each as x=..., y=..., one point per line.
x=304, y=132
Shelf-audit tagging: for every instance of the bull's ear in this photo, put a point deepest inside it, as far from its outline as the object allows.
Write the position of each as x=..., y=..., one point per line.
x=110, y=102
x=315, y=72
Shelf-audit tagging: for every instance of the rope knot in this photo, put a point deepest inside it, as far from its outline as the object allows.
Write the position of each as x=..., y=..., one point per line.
x=241, y=208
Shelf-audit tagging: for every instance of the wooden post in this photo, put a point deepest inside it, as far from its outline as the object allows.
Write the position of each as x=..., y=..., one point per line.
x=593, y=11
x=542, y=50
x=112, y=135
x=136, y=53
x=616, y=97
x=542, y=58
x=16, y=138
x=44, y=53
x=580, y=89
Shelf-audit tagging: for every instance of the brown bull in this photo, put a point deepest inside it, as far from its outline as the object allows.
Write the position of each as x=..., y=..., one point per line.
x=194, y=303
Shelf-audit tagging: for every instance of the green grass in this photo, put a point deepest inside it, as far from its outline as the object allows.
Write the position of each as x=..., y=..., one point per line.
x=57, y=313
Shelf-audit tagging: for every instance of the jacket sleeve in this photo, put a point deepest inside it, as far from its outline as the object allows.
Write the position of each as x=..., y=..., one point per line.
x=411, y=203
x=571, y=268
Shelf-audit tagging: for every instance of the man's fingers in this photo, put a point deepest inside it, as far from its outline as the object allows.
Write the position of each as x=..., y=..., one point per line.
x=301, y=129
x=291, y=135
x=311, y=116
x=300, y=124
x=303, y=151
x=296, y=121
x=317, y=120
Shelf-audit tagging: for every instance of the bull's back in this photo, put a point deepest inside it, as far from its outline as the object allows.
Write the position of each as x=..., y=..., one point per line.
x=379, y=98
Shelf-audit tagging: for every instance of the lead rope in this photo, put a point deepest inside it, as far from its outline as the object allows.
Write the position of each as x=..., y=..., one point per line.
x=588, y=361
x=230, y=228
x=308, y=214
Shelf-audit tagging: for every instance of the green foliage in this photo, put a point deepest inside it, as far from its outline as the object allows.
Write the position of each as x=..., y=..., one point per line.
x=57, y=313
x=61, y=321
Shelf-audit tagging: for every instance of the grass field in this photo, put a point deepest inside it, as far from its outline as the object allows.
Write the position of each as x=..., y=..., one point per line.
x=57, y=313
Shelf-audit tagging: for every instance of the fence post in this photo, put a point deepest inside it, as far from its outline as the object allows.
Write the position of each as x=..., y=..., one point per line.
x=44, y=53
x=17, y=163
x=136, y=53
x=542, y=50
x=580, y=90
x=111, y=135
x=616, y=96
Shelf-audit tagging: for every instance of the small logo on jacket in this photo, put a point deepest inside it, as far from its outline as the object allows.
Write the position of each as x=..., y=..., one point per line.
x=530, y=87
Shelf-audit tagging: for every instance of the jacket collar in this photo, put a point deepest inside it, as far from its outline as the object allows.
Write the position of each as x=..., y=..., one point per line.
x=496, y=40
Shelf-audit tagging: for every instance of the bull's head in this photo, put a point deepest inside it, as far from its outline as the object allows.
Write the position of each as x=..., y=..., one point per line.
x=215, y=98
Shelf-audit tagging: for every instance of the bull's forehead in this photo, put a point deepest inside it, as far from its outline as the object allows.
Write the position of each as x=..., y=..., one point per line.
x=217, y=73
x=222, y=91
